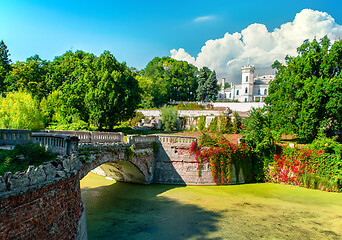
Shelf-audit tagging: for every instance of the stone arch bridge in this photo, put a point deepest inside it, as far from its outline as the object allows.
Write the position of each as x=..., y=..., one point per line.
x=45, y=202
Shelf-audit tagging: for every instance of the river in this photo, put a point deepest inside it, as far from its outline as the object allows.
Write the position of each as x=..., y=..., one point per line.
x=252, y=211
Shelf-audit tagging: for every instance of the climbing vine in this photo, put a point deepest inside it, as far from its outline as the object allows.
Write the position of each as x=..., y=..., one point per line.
x=222, y=158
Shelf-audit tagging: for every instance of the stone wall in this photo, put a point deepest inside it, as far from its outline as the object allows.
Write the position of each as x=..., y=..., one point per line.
x=49, y=211
x=174, y=164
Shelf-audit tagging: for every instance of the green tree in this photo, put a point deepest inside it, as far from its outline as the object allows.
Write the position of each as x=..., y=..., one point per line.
x=306, y=94
x=173, y=80
x=5, y=64
x=28, y=76
x=207, y=85
x=114, y=95
x=18, y=110
x=90, y=91
x=211, y=87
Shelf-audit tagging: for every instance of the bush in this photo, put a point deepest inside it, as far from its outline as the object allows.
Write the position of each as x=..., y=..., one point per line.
x=22, y=156
x=201, y=123
x=225, y=124
x=211, y=141
x=213, y=126
x=237, y=123
x=189, y=106
x=307, y=168
x=169, y=117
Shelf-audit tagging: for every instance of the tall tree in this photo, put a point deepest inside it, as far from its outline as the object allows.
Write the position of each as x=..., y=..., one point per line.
x=207, y=85
x=173, y=80
x=28, y=76
x=306, y=94
x=5, y=64
x=211, y=86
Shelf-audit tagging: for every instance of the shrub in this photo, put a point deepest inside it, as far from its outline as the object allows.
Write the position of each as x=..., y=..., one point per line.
x=213, y=126
x=225, y=124
x=237, y=123
x=189, y=106
x=211, y=141
x=308, y=168
x=22, y=156
x=201, y=123
x=169, y=117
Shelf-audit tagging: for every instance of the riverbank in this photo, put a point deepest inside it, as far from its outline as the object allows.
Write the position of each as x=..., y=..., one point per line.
x=250, y=211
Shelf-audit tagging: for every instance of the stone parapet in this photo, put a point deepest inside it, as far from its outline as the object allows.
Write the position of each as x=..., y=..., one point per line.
x=14, y=136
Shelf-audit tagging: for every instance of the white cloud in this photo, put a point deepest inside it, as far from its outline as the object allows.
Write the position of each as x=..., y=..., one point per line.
x=203, y=18
x=180, y=54
x=226, y=55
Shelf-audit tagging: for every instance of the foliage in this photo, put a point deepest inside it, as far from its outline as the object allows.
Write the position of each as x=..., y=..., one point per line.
x=169, y=80
x=225, y=124
x=138, y=116
x=148, y=92
x=329, y=145
x=169, y=117
x=213, y=125
x=129, y=152
x=308, y=168
x=221, y=159
x=259, y=136
x=257, y=132
x=237, y=124
x=28, y=76
x=211, y=87
x=5, y=64
x=201, y=123
x=98, y=91
x=18, y=110
x=306, y=94
x=208, y=140
x=207, y=85
x=189, y=106
x=22, y=156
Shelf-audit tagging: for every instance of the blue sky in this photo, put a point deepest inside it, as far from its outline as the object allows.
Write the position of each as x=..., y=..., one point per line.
x=137, y=31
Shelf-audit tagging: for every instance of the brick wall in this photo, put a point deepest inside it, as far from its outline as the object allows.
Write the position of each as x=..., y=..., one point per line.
x=51, y=211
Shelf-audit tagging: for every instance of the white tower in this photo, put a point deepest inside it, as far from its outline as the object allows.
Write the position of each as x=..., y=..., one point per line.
x=247, y=83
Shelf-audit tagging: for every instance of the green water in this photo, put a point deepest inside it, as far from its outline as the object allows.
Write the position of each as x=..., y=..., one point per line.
x=251, y=211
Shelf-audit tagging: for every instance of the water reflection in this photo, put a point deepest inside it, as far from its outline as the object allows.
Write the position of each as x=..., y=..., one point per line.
x=129, y=211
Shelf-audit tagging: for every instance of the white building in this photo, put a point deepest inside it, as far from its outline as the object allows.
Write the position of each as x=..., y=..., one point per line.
x=250, y=90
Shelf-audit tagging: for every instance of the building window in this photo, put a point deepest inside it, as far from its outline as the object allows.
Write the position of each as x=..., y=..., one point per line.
x=230, y=95
x=237, y=92
x=246, y=78
x=259, y=92
x=245, y=99
x=265, y=91
x=246, y=90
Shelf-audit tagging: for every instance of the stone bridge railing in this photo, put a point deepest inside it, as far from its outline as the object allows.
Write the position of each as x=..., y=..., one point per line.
x=92, y=137
x=13, y=136
x=176, y=140
x=58, y=143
